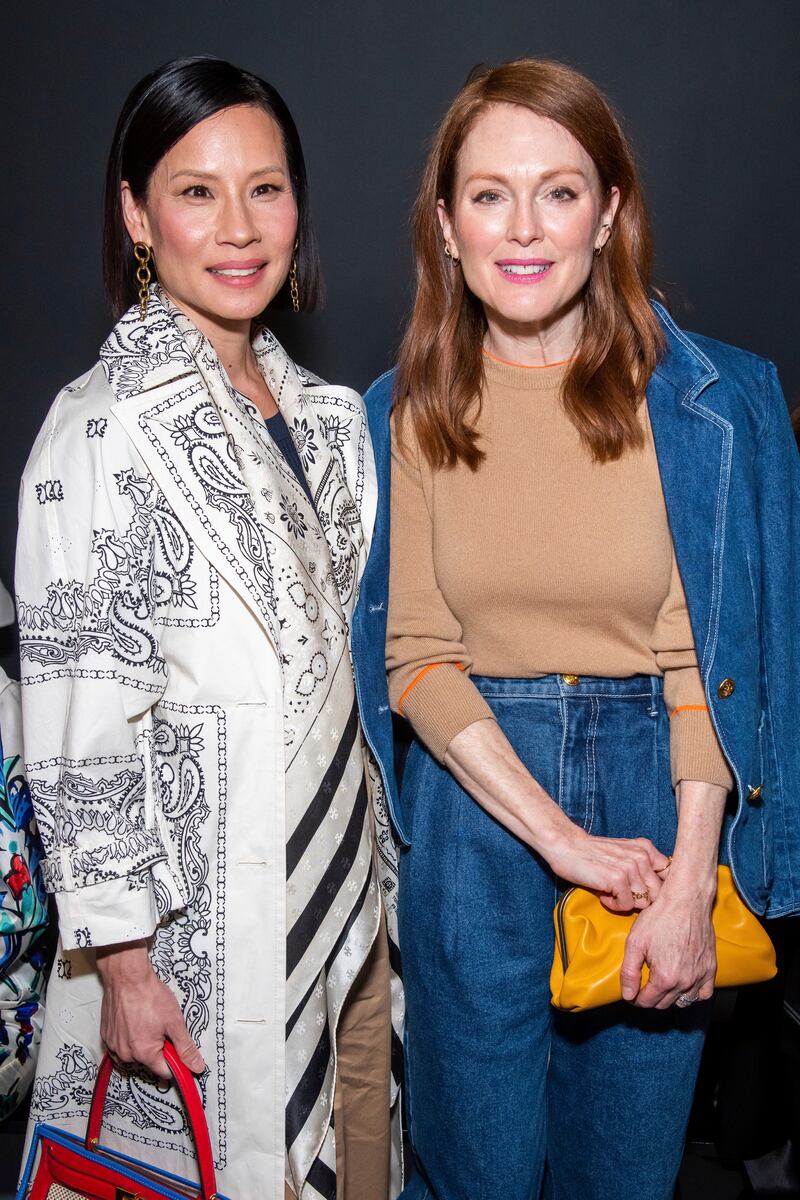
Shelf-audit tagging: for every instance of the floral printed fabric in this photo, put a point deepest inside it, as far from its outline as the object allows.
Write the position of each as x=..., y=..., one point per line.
x=23, y=913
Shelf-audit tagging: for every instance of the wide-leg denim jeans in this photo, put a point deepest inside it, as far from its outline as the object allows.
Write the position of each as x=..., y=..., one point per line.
x=508, y=1099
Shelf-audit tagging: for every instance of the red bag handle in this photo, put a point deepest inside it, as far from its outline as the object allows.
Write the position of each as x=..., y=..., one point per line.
x=187, y=1087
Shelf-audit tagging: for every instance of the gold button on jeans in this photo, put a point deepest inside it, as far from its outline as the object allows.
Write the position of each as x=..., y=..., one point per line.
x=726, y=689
x=572, y=680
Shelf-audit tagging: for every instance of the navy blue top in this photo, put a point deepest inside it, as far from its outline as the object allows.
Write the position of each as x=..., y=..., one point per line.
x=279, y=432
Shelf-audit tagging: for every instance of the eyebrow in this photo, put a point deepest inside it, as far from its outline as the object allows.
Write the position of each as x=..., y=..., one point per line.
x=544, y=176
x=211, y=175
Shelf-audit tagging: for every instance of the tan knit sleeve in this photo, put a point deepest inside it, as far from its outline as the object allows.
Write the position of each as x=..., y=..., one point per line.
x=695, y=752
x=427, y=663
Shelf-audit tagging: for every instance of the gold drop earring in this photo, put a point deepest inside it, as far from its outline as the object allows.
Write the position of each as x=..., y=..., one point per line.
x=294, y=289
x=143, y=254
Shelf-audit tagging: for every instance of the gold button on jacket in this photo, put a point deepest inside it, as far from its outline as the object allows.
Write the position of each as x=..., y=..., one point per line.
x=726, y=689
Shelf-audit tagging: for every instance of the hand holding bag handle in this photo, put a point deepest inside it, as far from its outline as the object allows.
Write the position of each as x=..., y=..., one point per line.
x=187, y=1086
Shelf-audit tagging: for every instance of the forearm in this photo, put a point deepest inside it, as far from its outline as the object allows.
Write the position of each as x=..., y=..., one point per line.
x=485, y=764
x=700, y=810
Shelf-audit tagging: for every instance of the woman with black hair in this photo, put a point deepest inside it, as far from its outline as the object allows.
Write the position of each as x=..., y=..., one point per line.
x=195, y=519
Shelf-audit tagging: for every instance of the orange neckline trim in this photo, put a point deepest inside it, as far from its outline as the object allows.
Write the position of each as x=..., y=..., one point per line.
x=506, y=362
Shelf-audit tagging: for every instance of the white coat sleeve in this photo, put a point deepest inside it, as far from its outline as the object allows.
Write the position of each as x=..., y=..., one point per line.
x=91, y=667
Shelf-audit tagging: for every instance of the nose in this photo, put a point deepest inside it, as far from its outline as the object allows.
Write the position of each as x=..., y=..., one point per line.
x=237, y=226
x=525, y=224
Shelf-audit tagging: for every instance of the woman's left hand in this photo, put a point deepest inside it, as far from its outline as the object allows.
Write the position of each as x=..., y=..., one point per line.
x=674, y=935
x=675, y=938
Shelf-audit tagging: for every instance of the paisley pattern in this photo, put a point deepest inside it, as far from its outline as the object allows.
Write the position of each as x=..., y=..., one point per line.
x=305, y=588
x=166, y=775
x=187, y=951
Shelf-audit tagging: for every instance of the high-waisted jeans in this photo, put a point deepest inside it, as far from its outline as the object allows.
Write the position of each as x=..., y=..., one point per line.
x=507, y=1098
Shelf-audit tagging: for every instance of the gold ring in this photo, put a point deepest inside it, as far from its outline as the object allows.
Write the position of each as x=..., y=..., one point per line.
x=645, y=895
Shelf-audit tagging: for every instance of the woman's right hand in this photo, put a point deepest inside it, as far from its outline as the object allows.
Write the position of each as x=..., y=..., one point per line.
x=139, y=1011
x=485, y=764
x=623, y=871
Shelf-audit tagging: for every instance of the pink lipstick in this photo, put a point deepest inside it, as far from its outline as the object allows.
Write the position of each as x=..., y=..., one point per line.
x=238, y=273
x=524, y=270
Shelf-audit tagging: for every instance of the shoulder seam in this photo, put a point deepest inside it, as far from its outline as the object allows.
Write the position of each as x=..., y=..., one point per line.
x=380, y=379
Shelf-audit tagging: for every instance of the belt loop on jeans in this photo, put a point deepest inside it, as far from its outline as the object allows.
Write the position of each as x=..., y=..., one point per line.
x=655, y=694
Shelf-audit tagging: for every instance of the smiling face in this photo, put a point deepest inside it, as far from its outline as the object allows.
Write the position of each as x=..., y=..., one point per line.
x=221, y=218
x=526, y=216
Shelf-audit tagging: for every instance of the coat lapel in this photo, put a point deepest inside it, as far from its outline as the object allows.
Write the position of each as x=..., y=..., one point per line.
x=168, y=411
x=223, y=476
x=329, y=429
x=694, y=447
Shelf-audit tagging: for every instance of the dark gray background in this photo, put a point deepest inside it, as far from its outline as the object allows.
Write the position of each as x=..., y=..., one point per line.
x=707, y=89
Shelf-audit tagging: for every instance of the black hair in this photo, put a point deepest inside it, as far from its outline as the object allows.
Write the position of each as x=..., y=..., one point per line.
x=159, y=110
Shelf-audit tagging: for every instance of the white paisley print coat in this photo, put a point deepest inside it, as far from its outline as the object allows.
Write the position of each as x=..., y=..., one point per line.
x=183, y=639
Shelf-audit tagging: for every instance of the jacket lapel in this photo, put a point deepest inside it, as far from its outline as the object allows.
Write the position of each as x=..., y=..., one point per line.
x=694, y=447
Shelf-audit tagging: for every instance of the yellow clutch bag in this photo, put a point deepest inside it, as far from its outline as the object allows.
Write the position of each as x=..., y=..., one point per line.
x=590, y=943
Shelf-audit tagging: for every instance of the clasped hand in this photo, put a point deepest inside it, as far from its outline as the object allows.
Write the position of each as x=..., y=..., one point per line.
x=672, y=934
x=675, y=938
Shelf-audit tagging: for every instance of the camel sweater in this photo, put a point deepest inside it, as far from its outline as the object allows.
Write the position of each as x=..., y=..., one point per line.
x=541, y=561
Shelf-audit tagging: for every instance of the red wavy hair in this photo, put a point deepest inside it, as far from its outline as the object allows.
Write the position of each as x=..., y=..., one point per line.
x=440, y=366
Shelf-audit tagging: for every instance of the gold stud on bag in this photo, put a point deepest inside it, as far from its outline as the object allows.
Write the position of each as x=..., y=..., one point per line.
x=143, y=255
x=590, y=944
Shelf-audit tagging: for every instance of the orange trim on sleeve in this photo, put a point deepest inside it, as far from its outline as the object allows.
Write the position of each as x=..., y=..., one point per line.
x=688, y=708
x=419, y=675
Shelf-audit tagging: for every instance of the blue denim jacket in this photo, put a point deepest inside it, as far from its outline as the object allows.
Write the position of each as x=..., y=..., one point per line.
x=731, y=478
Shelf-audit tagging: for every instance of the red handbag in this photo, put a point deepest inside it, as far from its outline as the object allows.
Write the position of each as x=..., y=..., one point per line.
x=62, y=1166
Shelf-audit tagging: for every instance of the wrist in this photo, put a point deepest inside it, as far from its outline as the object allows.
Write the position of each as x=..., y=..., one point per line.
x=124, y=962
x=688, y=878
x=553, y=833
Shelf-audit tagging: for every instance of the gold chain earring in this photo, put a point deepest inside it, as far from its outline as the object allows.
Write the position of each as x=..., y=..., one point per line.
x=143, y=255
x=294, y=290
x=453, y=257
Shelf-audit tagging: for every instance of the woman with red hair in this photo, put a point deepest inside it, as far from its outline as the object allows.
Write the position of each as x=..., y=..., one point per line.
x=589, y=631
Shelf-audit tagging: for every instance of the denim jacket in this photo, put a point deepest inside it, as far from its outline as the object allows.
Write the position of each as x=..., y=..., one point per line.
x=731, y=479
